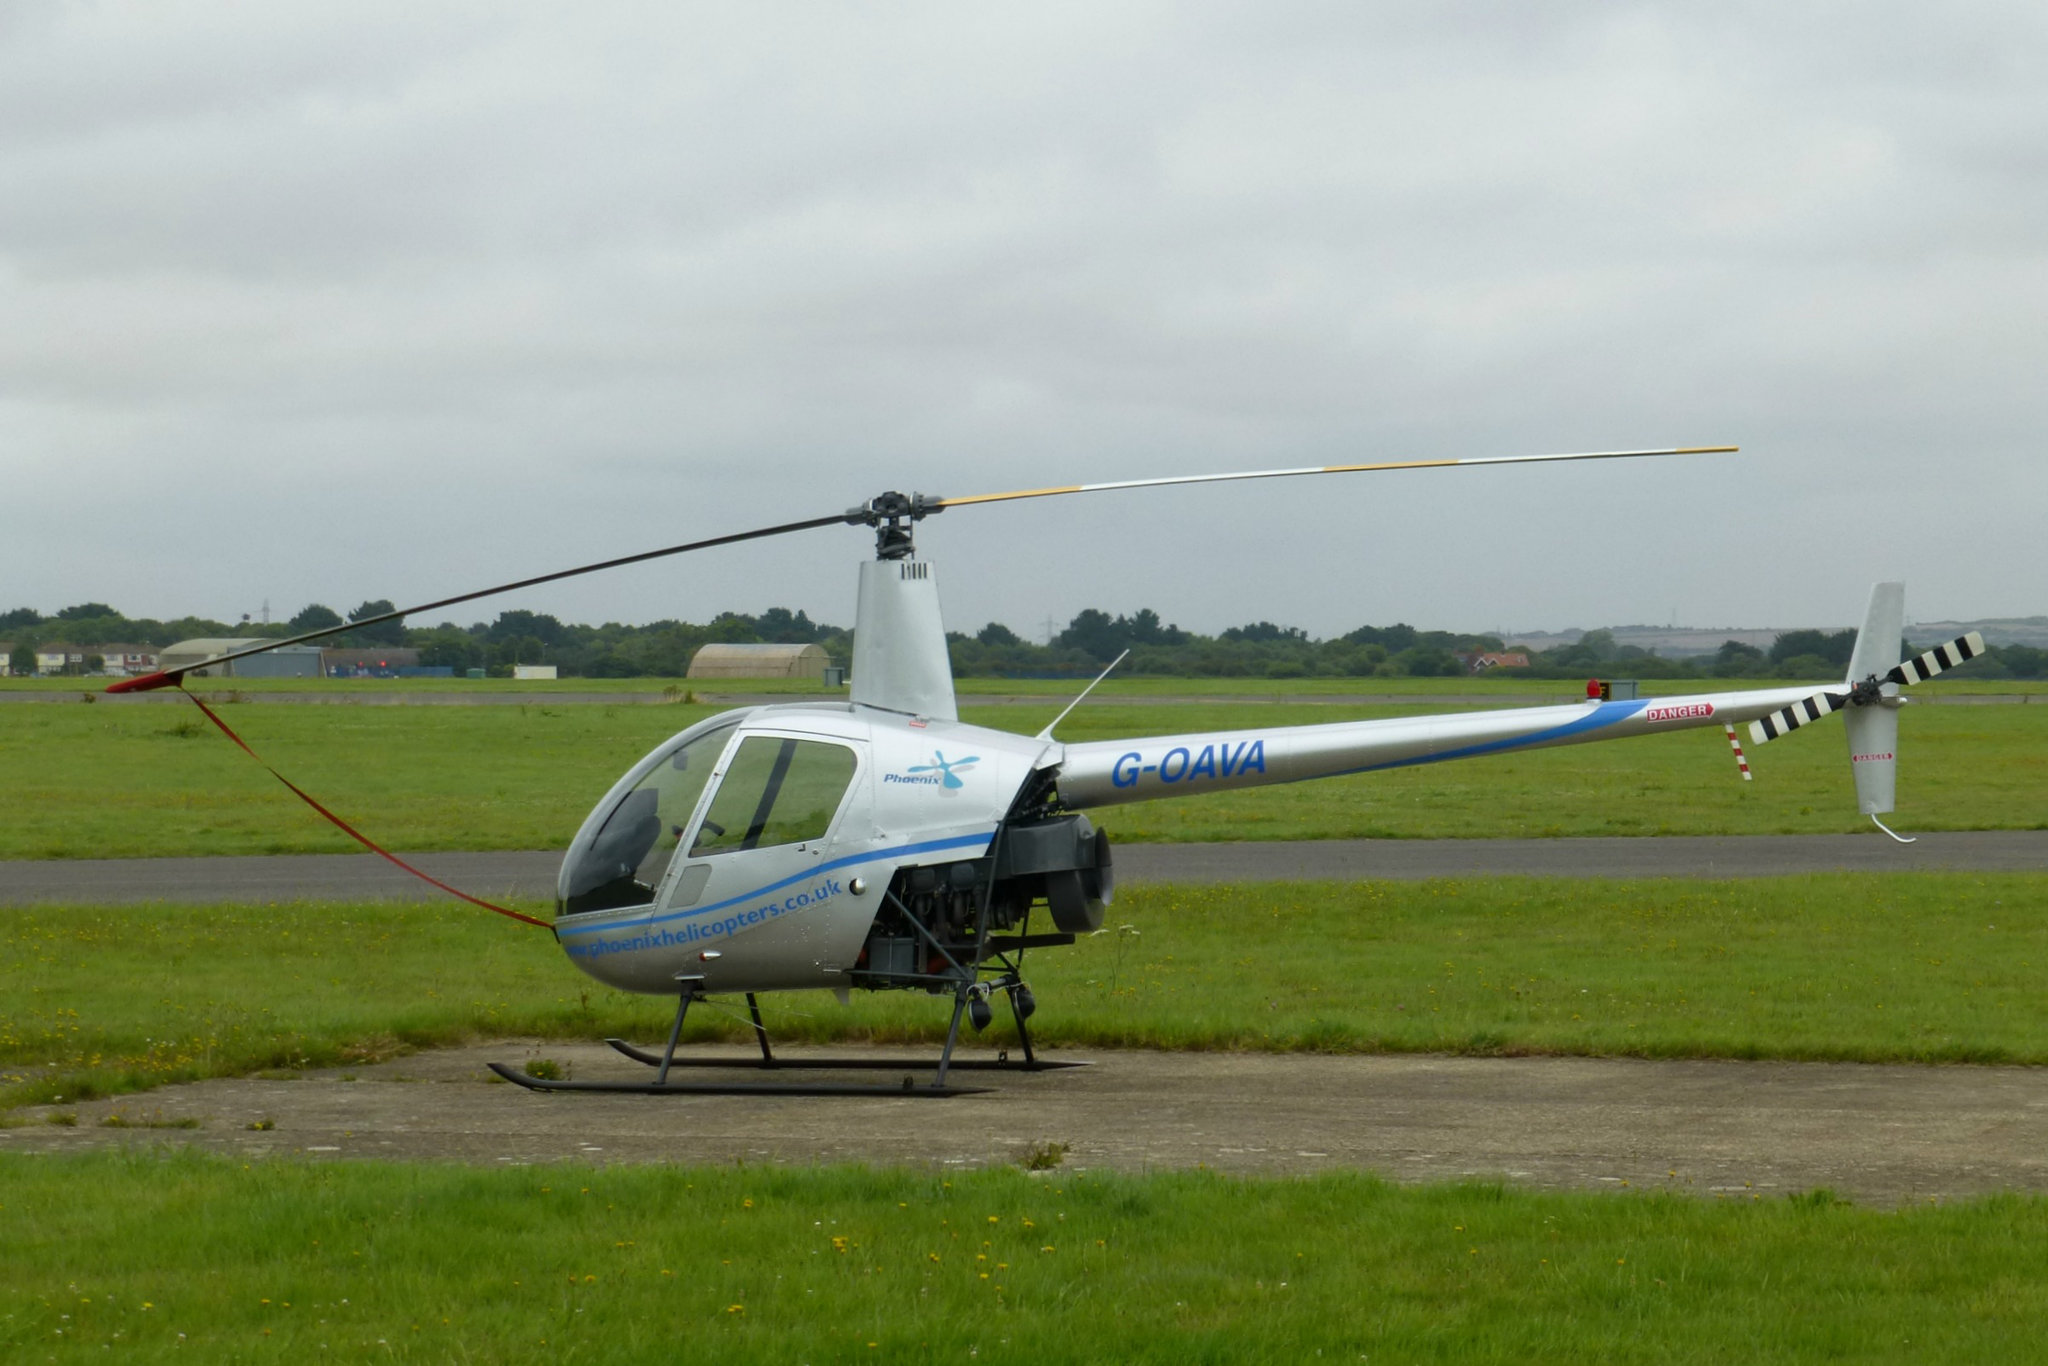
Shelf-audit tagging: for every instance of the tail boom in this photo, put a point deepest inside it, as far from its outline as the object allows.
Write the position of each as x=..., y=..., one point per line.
x=1111, y=772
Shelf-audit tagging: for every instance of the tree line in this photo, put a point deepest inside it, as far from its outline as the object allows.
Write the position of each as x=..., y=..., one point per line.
x=663, y=649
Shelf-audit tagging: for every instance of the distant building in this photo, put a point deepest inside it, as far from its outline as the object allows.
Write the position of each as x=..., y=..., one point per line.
x=1504, y=659
x=376, y=661
x=124, y=658
x=545, y=673
x=56, y=658
x=759, y=661
x=287, y=661
x=186, y=653
x=117, y=659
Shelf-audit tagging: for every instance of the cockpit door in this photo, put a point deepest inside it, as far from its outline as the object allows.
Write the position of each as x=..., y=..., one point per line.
x=775, y=794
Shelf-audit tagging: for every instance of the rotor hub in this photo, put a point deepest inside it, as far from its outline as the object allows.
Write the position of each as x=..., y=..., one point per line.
x=892, y=515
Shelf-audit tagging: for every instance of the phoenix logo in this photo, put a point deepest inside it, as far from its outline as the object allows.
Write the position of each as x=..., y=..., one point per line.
x=945, y=768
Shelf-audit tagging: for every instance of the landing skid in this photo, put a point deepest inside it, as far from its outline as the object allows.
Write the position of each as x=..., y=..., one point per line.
x=735, y=1088
x=1000, y=1063
x=667, y=1059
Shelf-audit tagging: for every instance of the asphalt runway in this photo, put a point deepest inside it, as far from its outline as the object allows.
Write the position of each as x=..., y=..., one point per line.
x=1885, y=1135
x=531, y=873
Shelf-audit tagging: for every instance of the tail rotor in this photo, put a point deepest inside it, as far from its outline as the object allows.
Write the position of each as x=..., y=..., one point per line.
x=1870, y=696
x=1870, y=691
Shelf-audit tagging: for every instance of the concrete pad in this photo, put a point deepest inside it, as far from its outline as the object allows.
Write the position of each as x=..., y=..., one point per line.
x=1882, y=1135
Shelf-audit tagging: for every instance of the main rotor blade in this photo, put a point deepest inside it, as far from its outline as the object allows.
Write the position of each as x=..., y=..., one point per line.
x=872, y=514
x=167, y=677
x=1318, y=469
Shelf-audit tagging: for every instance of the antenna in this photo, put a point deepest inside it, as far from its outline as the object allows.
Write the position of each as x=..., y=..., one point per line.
x=1046, y=734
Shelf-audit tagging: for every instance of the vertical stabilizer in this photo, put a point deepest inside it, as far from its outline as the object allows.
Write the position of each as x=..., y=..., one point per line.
x=1884, y=623
x=899, y=642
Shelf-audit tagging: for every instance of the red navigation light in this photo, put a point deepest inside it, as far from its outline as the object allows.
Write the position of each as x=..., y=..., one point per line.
x=1593, y=689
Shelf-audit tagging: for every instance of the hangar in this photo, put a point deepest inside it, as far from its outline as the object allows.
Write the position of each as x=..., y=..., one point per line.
x=759, y=661
x=286, y=661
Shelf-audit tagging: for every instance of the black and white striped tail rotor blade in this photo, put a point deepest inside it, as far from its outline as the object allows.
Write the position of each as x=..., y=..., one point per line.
x=1938, y=660
x=1788, y=719
x=1919, y=669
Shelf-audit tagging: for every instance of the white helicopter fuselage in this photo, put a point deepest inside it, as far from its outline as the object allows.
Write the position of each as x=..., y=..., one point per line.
x=920, y=791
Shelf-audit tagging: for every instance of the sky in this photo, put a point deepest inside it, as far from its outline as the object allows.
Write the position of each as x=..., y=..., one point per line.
x=337, y=302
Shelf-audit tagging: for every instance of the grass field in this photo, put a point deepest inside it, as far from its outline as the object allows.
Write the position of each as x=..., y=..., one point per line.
x=188, y=1258
x=129, y=781
x=1909, y=967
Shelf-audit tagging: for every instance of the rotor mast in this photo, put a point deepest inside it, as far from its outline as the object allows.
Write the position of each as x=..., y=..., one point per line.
x=900, y=661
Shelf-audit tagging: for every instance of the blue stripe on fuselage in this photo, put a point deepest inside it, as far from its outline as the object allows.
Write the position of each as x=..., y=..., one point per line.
x=928, y=846
x=1604, y=714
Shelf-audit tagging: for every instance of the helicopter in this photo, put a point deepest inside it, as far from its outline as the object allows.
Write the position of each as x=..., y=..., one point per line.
x=880, y=843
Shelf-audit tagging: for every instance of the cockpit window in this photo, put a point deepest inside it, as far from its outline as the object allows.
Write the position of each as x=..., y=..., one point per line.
x=775, y=791
x=624, y=862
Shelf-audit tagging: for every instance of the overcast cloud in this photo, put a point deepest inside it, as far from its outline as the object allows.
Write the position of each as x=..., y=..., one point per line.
x=353, y=301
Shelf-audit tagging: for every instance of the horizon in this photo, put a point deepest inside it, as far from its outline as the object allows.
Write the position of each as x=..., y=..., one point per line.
x=1508, y=638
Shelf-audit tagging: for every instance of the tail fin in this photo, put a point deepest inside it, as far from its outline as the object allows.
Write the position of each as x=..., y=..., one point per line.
x=1884, y=629
x=1874, y=729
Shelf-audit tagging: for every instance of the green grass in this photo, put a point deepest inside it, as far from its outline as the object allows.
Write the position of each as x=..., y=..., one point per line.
x=193, y=1258
x=1906, y=967
x=129, y=781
